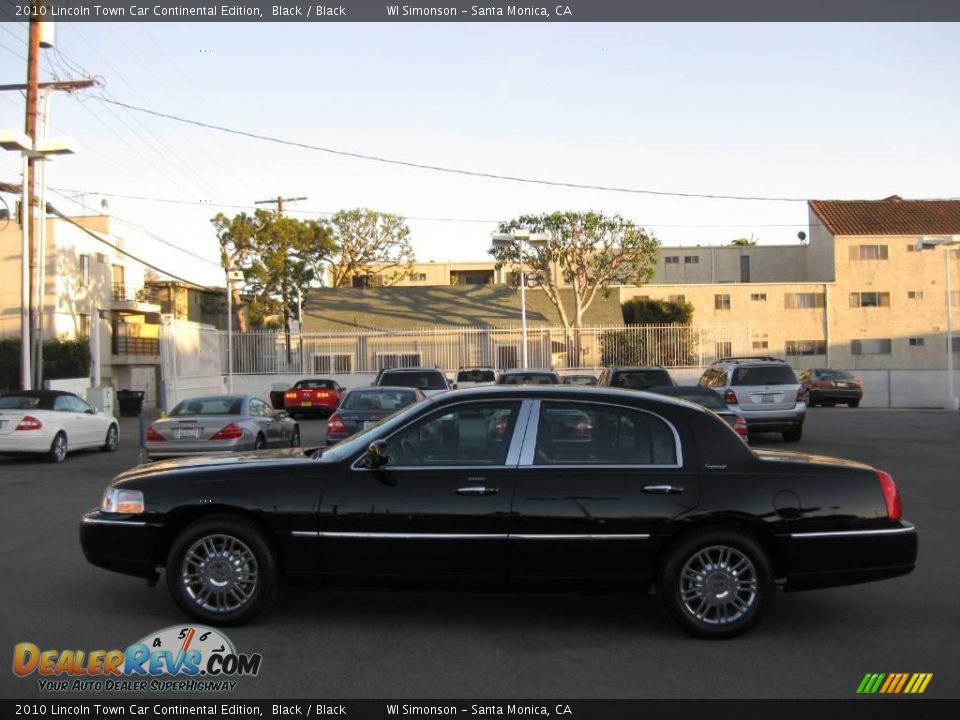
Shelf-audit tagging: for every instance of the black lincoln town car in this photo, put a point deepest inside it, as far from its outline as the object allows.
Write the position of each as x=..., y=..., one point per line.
x=512, y=485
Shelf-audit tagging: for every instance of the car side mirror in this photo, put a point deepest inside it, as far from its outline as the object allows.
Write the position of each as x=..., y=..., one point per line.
x=377, y=454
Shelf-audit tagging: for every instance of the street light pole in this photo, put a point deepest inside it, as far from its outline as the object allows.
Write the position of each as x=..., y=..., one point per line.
x=523, y=305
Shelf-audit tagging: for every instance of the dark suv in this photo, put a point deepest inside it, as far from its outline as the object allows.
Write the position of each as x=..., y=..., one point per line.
x=429, y=381
x=635, y=378
x=764, y=390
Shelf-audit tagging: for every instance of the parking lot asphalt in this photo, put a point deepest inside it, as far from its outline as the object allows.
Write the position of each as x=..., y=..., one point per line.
x=456, y=643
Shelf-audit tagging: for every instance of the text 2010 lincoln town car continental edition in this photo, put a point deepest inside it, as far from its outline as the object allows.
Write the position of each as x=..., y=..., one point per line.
x=512, y=485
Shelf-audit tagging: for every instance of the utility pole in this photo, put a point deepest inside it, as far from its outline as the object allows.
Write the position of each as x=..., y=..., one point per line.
x=279, y=201
x=33, y=78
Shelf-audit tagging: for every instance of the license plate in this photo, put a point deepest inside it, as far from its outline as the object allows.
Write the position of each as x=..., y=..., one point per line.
x=843, y=385
x=768, y=398
x=369, y=424
x=188, y=433
x=306, y=404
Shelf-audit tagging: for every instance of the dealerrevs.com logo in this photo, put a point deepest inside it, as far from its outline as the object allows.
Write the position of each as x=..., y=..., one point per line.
x=200, y=659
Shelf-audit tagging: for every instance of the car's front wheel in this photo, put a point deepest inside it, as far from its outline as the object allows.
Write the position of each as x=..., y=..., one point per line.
x=716, y=583
x=112, y=440
x=222, y=570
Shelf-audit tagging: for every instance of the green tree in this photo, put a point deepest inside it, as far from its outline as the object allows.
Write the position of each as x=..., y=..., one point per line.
x=587, y=251
x=743, y=242
x=367, y=242
x=651, y=346
x=279, y=257
x=642, y=311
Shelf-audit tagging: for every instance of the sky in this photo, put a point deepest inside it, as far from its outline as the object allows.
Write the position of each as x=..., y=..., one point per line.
x=823, y=111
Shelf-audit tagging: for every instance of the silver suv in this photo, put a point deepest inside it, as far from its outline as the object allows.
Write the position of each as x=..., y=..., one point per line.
x=764, y=390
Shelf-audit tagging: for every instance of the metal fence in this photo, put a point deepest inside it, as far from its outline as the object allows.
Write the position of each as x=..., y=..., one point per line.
x=340, y=352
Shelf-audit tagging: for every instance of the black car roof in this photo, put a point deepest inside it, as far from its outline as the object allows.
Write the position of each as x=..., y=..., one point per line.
x=572, y=392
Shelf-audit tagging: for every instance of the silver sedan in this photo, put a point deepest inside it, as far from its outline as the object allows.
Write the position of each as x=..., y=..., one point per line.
x=220, y=423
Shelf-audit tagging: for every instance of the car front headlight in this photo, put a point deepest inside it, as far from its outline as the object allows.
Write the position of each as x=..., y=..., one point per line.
x=117, y=500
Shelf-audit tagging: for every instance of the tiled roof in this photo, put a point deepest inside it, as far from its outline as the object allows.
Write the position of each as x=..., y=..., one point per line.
x=890, y=216
x=442, y=305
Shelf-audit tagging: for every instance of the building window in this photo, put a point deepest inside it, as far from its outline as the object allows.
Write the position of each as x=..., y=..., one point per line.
x=806, y=347
x=671, y=259
x=870, y=299
x=676, y=298
x=795, y=301
x=83, y=325
x=760, y=345
x=879, y=346
x=333, y=363
x=758, y=297
x=868, y=252
x=917, y=342
x=691, y=259
x=915, y=295
x=911, y=247
x=84, y=270
x=721, y=302
x=418, y=277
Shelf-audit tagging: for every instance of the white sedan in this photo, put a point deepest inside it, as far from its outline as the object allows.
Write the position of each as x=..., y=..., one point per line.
x=52, y=423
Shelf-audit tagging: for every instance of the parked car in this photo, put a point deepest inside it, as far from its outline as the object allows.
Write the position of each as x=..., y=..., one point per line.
x=316, y=396
x=471, y=377
x=52, y=423
x=764, y=390
x=220, y=423
x=710, y=399
x=825, y=386
x=518, y=376
x=429, y=381
x=363, y=407
x=635, y=378
x=588, y=380
x=473, y=484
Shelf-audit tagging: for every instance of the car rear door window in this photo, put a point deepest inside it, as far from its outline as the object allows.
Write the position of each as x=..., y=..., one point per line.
x=764, y=375
x=594, y=434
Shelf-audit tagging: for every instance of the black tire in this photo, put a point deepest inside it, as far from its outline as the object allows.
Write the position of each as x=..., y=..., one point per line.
x=807, y=400
x=695, y=600
x=794, y=434
x=295, y=437
x=260, y=443
x=112, y=441
x=854, y=403
x=58, y=449
x=220, y=591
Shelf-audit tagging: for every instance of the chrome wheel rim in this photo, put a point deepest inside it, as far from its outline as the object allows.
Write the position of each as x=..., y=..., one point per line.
x=111, y=438
x=295, y=439
x=719, y=585
x=60, y=448
x=219, y=573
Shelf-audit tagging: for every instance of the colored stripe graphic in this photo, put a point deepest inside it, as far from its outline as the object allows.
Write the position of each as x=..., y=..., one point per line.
x=894, y=683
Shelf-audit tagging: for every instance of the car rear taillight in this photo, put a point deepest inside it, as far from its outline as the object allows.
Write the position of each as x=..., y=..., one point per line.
x=801, y=394
x=335, y=425
x=821, y=384
x=228, y=432
x=730, y=397
x=859, y=382
x=890, y=495
x=153, y=435
x=290, y=396
x=740, y=425
x=29, y=422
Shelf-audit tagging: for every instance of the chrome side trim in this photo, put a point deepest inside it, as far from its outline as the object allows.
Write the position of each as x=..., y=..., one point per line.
x=853, y=533
x=611, y=536
x=103, y=521
x=305, y=533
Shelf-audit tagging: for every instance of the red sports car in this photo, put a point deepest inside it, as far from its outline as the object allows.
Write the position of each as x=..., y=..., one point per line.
x=314, y=396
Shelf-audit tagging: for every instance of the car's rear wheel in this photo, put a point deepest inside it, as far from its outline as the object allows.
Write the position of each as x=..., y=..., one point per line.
x=716, y=583
x=807, y=400
x=222, y=570
x=260, y=443
x=794, y=434
x=58, y=449
x=112, y=440
x=854, y=403
x=295, y=437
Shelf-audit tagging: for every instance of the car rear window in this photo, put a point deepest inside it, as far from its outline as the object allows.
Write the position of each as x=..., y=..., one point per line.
x=373, y=400
x=528, y=379
x=476, y=376
x=208, y=406
x=324, y=384
x=19, y=402
x=836, y=374
x=423, y=379
x=640, y=379
x=764, y=375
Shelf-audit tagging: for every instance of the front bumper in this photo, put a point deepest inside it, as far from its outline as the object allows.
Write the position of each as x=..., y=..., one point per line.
x=847, y=557
x=121, y=543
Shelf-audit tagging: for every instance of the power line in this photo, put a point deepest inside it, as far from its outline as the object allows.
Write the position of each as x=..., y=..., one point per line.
x=439, y=168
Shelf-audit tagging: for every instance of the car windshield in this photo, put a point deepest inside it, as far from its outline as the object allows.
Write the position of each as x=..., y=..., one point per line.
x=19, y=402
x=836, y=374
x=322, y=384
x=640, y=379
x=528, y=379
x=423, y=379
x=764, y=375
x=476, y=376
x=208, y=406
x=378, y=400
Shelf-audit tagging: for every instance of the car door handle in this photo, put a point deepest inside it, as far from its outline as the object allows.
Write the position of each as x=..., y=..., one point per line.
x=477, y=490
x=662, y=489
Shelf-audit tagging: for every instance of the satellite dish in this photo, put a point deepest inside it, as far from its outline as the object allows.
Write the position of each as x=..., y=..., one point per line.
x=104, y=204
